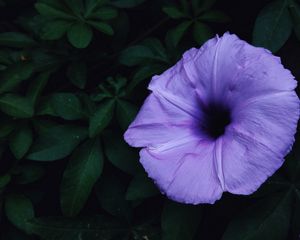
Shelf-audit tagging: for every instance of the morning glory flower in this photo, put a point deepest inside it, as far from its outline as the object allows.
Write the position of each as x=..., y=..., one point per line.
x=221, y=120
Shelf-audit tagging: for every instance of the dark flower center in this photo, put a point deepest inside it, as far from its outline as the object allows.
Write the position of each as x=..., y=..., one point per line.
x=216, y=118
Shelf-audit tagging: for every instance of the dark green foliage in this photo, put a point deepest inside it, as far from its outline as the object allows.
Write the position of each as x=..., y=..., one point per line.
x=186, y=218
x=82, y=172
x=273, y=26
x=73, y=75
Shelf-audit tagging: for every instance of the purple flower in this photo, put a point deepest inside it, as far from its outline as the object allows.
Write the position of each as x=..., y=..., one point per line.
x=221, y=120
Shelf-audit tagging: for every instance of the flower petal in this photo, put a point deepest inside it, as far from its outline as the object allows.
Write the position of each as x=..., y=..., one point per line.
x=186, y=174
x=256, y=143
x=269, y=119
x=159, y=122
x=247, y=163
x=231, y=70
x=175, y=86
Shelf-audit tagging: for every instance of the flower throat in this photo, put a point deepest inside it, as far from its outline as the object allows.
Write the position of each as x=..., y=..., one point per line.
x=216, y=118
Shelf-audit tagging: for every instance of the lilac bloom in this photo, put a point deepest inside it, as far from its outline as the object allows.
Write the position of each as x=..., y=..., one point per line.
x=221, y=120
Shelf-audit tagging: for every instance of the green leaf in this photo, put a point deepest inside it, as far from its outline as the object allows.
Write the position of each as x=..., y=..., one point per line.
x=52, y=12
x=20, y=141
x=202, y=32
x=82, y=172
x=91, y=5
x=54, y=30
x=157, y=49
x=125, y=112
x=294, y=8
x=19, y=210
x=16, y=106
x=77, y=74
x=6, y=127
x=135, y=55
x=119, y=153
x=83, y=228
x=14, y=75
x=273, y=26
x=180, y=221
x=80, y=35
x=56, y=142
x=28, y=173
x=267, y=219
x=67, y=106
x=126, y=3
x=45, y=107
x=102, y=27
x=16, y=39
x=36, y=87
x=111, y=194
x=4, y=180
x=101, y=117
x=215, y=16
x=178, y=32
x=145, y=72
x=44, y=61
x=104, y=13
x=76, y=6
x=141, y=187
x=173, y=12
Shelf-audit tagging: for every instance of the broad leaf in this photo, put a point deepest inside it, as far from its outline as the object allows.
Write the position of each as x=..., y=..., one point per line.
x=180, y=221
x=76, y=6
x=202, y=32
x=102, y=27
x=273, y=26
x=80, y=35
x=111, y=191
x=135, y=55
x=104, y=13
x=144, y=73
x=82, y=172
x=267, y=219
x=294, y=8
x=67, y=106
x=101, y=117
x=141, y=187
x=16, y=106
x=16, y=39
x=29, y=173
x=6, y=127
x=77, y=74
x=119, y=153
x=14, y=75
x=19, y=210
x=4, y=181
x=52, y=12
x=20, y=141
x=56, y=142
x=173, y=12
x=37, y=86
x=54, y=30
x=92, y=5
x=126, y=112
x=178, y=32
